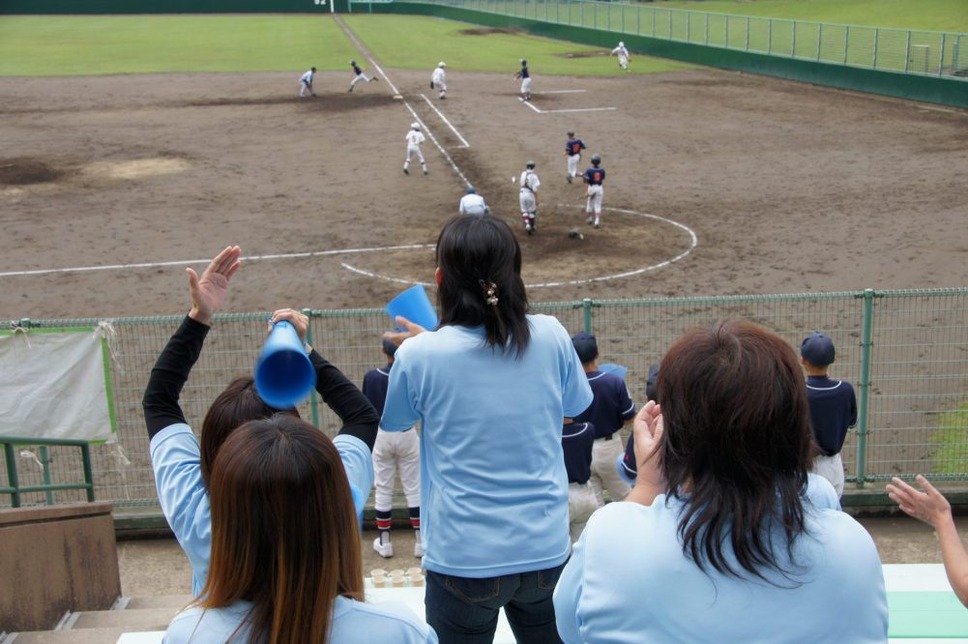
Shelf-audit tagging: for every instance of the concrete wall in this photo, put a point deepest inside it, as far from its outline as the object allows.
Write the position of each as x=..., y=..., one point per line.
x=53, y=560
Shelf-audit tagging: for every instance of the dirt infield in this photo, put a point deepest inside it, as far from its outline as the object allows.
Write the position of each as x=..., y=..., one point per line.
x=786, y=187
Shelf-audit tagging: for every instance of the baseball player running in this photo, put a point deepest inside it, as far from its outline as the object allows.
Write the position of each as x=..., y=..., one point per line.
x=529, y=196
x=414, y=138
x=623, y=56
x=472, y=203
x=594, y=177
x=306, y=83
x=358, y=75
x=438, y=79
x=573, y=148
x=525, y=77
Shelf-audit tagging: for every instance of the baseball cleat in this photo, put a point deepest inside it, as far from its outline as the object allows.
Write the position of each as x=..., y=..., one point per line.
x=589, y=220
x=425, y=172
x=568, y=178
x=383, y=546
x=598, y=223
x=405, y=171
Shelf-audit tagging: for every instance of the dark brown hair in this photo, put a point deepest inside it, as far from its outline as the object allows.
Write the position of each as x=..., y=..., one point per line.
x=480, y=260
x=284, y=530
x=238, y=403
x=737, y=444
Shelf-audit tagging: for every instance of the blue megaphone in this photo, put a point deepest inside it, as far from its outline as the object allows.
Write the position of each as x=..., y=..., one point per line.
x=284, y=375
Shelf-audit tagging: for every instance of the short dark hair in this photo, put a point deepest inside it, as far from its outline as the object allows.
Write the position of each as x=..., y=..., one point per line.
x=737, y=444
x=480, y=264
x=238, y=403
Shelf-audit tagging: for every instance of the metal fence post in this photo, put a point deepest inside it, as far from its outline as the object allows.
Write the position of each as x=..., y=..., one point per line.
x=769, y=37
x=586, y=305
x=907, y=53
x=864, y=384
x=747, y=33
x=846, y=42
x=12, y=480
x=45, y=467
x=88, y=470
x=941, y=58
x=874, y=53
x=819, y=39
x=313, y=399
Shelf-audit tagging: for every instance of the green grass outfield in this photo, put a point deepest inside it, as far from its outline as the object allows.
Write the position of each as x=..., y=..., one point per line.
x=94, y=45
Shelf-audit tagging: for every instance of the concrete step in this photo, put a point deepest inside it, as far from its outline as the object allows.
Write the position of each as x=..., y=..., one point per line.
x=157, y=601
x=83, y=636
x=138, y=619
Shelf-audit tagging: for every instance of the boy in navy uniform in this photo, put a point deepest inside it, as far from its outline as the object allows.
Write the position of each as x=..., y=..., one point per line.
x=577, y=441
x=611, y=409
x=595, y=179
x=833, y=407
x=573, y=148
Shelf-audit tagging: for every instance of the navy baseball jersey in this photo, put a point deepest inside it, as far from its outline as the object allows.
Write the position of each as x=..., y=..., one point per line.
x=574, y=146
x=594, y=176
x=524, y=73
x=833, y=408
x=357, y=70
x=611, y=406
x=375, y=383
x=577, y=440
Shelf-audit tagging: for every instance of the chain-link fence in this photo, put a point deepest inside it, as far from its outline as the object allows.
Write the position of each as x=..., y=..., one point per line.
x=906, y=352
x=932, y=53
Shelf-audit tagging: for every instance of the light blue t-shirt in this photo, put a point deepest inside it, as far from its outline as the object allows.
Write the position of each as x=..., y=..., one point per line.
x=176, y=460
x=352, y=622
x=494, y=491
x=629, y=581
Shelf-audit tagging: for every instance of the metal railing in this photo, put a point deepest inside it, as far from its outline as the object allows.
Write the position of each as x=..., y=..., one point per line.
x=906, y=352
x=43, y=459
x=932, y=53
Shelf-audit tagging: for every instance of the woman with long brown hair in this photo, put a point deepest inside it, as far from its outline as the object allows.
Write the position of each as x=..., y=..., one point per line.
x=286, y=563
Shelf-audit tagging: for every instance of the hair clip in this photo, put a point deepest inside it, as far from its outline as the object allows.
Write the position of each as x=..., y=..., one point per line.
x=490, y=292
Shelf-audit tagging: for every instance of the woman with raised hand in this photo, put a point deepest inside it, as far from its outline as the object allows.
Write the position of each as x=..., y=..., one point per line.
x=286, y=564
x=490, y=387
x=181, y=466
x=719, y=540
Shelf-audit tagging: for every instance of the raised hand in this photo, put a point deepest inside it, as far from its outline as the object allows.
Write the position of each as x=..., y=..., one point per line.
x=208, y=291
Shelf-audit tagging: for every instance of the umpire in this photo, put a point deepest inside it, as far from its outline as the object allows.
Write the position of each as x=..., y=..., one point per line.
x=611, y=409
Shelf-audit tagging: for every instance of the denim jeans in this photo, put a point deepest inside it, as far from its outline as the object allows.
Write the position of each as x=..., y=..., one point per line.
x=465, y=611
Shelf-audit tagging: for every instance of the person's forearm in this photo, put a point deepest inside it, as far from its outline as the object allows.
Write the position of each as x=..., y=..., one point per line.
x=346, y=400
x=168, y=376
x=954, y=556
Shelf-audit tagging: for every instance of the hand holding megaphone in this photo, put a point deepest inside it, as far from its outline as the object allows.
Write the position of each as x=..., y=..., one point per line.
x=284, y=375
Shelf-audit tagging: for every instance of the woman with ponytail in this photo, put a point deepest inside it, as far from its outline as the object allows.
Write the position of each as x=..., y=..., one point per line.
x=490, y=387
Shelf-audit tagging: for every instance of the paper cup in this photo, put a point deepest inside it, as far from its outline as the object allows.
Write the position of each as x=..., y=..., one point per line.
x=414, y=305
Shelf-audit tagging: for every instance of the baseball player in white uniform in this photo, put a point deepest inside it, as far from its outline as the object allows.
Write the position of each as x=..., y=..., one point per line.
x=472, y=203
x=414, y=138
x=438, y=80
x=623, y=56
x=306, y=83
x=528, y=196
x=525, y=75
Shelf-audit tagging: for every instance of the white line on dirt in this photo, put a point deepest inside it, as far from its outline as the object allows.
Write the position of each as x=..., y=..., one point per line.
x=187, y=262
x=528, y=103
x=564, y=91
x=693, y=242
x=581, y=109
x=444, y=119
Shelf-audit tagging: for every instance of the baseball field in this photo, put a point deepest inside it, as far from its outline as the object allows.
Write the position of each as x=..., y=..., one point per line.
x=133, y=146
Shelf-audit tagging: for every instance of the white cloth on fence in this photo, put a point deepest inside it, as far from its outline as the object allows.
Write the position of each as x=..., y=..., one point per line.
x=55, y=385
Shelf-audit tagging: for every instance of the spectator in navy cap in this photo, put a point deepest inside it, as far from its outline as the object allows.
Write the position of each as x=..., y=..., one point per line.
x=611, y=409
x=833, y=407
x=392, y=452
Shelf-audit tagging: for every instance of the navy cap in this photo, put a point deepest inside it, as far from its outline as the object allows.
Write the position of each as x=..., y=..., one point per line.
x=585, y=345
x=389, y=347
x=817, y=349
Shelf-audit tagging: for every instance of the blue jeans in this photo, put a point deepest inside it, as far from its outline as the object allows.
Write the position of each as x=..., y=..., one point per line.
x=465, y=611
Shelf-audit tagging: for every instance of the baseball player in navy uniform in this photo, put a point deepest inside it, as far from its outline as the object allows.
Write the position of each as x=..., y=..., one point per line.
x=472, y=203
x=438, y=79
x=594, y=178
x=525, y=77
x=528, y=196
x=306, y=83
x=577, y=441
x=611, y=409
x=358, y=75
x=392, y=452
x=833, y=407
x=623, y=56
x=573, y=148
x=414, y=138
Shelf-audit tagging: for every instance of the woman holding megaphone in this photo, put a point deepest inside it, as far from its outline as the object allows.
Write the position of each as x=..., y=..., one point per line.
x=182, y=466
